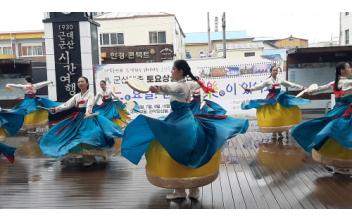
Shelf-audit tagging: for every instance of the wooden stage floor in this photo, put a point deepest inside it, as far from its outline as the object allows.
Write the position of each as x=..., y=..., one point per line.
x=254, y=173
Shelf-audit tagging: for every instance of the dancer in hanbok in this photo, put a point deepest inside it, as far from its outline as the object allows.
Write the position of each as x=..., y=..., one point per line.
x=34, y=116
x=188, y=139
x=329, y=138
x=279, y=111
x=10, y=123
x=112, y=109
x=83, y=135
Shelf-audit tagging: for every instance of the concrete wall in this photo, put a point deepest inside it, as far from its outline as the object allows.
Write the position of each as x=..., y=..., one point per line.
x=195, y=50
x=346, y=23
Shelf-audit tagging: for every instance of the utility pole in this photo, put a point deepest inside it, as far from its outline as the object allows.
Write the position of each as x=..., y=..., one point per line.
x=209, y=44
x=224, y=34
x=216, y=24
x=340, y=27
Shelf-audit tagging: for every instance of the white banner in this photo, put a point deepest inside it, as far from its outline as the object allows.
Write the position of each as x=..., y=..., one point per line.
x=227, y=78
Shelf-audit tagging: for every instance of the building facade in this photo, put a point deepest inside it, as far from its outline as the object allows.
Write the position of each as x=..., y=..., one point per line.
x=23, y=48
x=140, y=37
x=23, y=45
x=239, y=46
x=345, y=28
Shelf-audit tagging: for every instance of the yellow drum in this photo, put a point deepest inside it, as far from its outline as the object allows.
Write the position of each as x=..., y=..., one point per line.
x=165, y=172
x=277, y=118
x=36, y=119
x=2, y=134
x=333, y=154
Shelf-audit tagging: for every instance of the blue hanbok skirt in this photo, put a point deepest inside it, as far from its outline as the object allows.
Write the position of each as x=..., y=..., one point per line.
x=191, y=135
x=77, y=134
x=335, y=125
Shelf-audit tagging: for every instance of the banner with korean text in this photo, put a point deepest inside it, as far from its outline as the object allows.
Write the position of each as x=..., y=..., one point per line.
x=228, y=78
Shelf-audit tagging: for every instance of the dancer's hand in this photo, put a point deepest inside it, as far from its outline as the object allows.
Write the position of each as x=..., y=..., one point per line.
x=247, y=90
x=154, y=89
x=52, y=110
x=8, y=88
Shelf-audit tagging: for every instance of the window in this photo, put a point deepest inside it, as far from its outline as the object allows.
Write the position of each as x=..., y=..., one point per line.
x=106, y=40
x=347, y=36
x=6, y=50
x=120, y=38
x=249, y=54
x=157, y=37
x=161, y=38
x=111, y=39
x=188, y=55
x=32, y=51
x=153, y=37
x=347, y=13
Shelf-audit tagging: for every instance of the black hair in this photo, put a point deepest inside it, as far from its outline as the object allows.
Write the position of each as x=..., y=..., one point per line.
x=183, y=65
x=103, y=81
x=272, y=67
x=29, y=79
x=86, y=79
x=339, y=66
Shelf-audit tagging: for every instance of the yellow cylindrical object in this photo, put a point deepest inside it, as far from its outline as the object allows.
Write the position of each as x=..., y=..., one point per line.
x=2, y=134
x=333, y=149
x=334, y=154
x=164, y=171
x=276, y=117
x=36, y=119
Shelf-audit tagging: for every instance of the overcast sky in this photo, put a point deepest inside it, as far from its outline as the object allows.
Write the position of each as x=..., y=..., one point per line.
x=315, y=25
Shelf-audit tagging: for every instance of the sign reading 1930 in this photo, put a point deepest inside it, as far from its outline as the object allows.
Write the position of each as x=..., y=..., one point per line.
x=67, y=58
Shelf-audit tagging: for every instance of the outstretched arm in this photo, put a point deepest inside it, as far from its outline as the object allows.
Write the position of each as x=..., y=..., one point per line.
x=19, y=86
x=42, y=84
x=323, y=88
x=68, y=104
x=258, y=86
x=291, y=85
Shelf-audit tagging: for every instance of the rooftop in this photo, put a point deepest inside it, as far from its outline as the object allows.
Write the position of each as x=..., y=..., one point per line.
x=118, y=15
x=22, y=32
